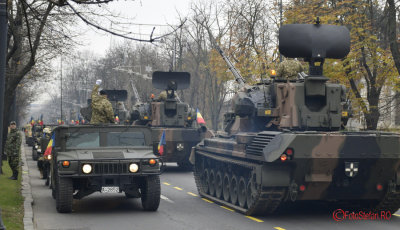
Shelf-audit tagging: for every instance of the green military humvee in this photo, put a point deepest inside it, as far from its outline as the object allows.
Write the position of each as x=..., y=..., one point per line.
x=107, y=159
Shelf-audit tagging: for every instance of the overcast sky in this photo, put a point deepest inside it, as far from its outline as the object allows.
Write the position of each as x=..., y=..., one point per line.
x=153, y=12
x=159, y=12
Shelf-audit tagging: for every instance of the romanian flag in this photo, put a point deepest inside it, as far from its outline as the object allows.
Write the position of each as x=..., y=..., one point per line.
x=117, y=119
x=50, y=145
x=41, y=120
x=200, y=119
x=161, y=144
x=32, y=121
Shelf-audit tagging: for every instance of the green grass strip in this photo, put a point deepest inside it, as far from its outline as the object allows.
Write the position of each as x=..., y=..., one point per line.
x=11, y=200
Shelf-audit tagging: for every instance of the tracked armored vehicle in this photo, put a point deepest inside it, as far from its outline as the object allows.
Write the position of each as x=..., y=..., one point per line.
x=176, y=118
x=283, y=143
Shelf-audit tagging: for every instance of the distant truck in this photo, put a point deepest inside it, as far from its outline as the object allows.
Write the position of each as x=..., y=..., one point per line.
x=107, y=159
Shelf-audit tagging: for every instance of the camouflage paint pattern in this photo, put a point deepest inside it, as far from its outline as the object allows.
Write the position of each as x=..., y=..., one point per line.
x=102, y=110
x=282, y=142
x=13, y=148
x=179, y=142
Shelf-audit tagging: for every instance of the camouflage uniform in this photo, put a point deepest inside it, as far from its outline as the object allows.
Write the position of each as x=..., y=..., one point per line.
x=44, y=141
x=102, y=111
x=288, y=69
x=13, y=150
x=162, y=96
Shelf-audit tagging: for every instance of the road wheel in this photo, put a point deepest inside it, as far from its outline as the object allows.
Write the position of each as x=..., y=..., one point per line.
x=233, y=190
x=242, y=192
x=251, y=191
x=34, y=154
x=211, y=179
x=218, y=184
x=151, y=191
x=64, y=192
x=226, y=186
x=205, y=181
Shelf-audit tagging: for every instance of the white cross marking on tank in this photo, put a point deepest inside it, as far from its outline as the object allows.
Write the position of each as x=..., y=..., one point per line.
x=351, y=169
x=180, y=147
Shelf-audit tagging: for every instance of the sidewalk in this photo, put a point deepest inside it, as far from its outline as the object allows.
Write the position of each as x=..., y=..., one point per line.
x=26, y=186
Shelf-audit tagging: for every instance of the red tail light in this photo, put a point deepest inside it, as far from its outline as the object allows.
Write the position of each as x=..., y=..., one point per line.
x=283, y=157
x=379, y=187
x=289, y=152
x=302, y=188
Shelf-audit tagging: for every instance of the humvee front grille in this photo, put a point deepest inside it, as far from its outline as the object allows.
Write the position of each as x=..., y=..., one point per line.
x=259, y=142
x=110, y=168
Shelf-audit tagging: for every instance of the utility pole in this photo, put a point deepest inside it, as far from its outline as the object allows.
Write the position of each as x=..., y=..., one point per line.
x=3, y=52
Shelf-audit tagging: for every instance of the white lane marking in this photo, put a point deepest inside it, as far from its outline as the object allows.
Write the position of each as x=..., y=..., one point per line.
x=166, y=199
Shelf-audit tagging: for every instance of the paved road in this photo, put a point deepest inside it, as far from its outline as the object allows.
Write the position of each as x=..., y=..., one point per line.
x=180, y=208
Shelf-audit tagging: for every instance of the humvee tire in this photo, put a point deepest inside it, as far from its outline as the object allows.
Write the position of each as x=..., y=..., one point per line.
x=35, y=156
x=53, y=184
x=64, y=192
x=151, y=191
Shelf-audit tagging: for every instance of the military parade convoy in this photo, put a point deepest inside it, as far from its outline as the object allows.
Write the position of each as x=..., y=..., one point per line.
x=283, y=141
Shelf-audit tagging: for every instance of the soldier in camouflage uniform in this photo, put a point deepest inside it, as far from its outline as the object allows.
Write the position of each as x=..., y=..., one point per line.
x=288, y=69
x=162, y=96
x=102, y=111
x=13, y=149
x=44, y=141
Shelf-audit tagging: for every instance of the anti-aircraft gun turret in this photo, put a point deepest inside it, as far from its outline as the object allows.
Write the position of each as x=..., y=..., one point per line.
x=141, y=111
x=282, y=141
x=174, y=117
x=308, y=103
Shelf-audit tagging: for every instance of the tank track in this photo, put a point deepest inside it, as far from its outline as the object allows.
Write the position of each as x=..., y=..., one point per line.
x=265, y=199
x=391, y=201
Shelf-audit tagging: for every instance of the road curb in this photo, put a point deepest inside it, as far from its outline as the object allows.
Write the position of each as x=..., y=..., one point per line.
x=26, y=191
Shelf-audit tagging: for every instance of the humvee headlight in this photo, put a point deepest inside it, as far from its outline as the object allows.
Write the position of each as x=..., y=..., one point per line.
x=36, y=146
x=133, y=167
x=39, y=150
x=87, y=168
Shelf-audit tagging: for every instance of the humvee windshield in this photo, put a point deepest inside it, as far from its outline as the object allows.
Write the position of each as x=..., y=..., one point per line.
x=109, y=139
x=83, y=140
x=125, y=139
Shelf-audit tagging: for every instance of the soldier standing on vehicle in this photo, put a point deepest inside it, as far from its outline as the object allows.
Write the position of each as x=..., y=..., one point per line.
x=13, y=149
x=102, y=111
x=288, y=69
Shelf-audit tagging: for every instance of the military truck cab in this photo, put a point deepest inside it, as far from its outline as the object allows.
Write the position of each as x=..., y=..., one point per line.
x=106, y=159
